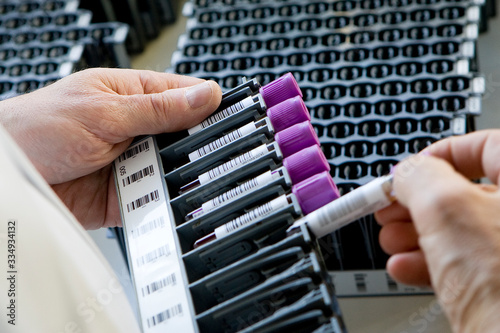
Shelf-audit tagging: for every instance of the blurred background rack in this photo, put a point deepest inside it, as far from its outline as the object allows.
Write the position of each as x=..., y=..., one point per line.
x=381, y=78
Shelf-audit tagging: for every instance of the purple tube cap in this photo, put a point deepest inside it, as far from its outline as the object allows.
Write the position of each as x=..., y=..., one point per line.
x=315, y=192
x=306, y=163
x=288, y=113
x=279, y=90
x=296, y=138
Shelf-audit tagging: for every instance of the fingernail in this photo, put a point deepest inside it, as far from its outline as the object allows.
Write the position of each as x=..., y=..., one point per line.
x=425, y=152
x=199, y=95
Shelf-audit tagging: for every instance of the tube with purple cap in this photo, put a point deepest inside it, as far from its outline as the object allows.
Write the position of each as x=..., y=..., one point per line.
x=279, y=90
x=310, y=193
x=295, y=139
x=281, y=117
x=297, y=162
x=360, y=202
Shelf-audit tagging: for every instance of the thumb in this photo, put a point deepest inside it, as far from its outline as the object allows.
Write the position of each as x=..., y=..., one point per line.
x=171, y=110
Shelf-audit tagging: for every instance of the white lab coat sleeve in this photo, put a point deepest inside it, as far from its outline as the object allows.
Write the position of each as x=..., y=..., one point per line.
x=57, y=280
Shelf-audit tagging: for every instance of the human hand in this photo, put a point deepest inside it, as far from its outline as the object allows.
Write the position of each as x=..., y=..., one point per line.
x=445, y=230
x=73, y=129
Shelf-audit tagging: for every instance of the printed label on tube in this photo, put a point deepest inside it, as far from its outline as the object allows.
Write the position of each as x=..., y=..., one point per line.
x=218, y=116
x=251, y=216
x=350, y=207
x=229, y=165
x=234, y=193
x=226, y=139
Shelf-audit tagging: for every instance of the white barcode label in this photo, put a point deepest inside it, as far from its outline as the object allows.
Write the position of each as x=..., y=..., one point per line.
x=155, y=286
x=218, y=116
x=221, y=142
x=165, y=315
x=350, y=207
x=154, y=255
x=234, y=193
x=131, y=152
x=148, y=227
x=142, y=201
x=137, y=176
x=151, y=241
x=251, y=216
x=230, y=165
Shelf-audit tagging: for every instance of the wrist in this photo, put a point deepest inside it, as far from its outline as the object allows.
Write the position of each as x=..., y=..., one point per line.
x=465, y=278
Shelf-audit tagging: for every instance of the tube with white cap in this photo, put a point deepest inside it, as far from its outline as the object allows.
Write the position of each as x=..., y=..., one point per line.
x=360, y=202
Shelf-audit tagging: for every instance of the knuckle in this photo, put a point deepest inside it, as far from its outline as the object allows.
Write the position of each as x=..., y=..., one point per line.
x=161, y=104
x=167, y=110
x=449, y=202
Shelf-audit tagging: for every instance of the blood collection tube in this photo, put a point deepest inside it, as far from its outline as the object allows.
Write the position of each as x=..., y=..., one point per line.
x=352, y=206
x=279, y=90
x=281, y=117
x=290, y=141
x=311, y=194
x=299, y=164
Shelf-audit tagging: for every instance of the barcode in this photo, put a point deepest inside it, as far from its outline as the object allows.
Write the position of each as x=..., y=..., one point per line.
x=148, y=171
x=391, y=284
x=228, y=138
x=215, y=172
x=237, y=161
x=163, y=251
x=164, y=315
x=249, y=217
x=160, y=284
x=246, y=186
x=148, y=227
x=235, y=108
x=134, y=151
x=359, y=279
x=153, y=196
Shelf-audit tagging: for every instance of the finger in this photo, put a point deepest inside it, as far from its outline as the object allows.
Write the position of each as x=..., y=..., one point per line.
x=474, y=155
x=154, y=82
x=171, y=110
x=131, y=81
x=433, y=190
x=398, y=237
x=393, y=213
x=409, y=268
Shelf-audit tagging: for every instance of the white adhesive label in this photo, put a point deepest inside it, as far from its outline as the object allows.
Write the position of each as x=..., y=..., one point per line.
x=232, y=164
x=236, y=192
x=474, y=105
x=468, y=49
x=462, y=66
x=152, y=249
x=221, y=142
x=350, y=207
x=251, y=216
x=479, y=85
x=218, y=116
x=473, y=14
x=471, y=31
x=459, y=125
